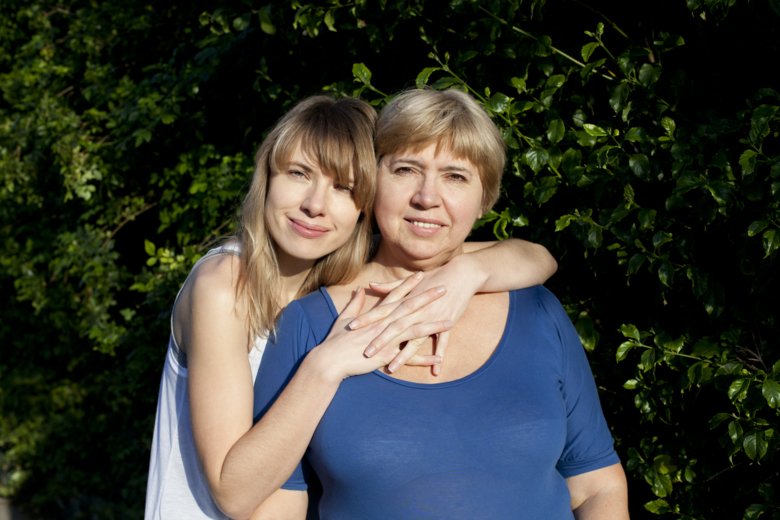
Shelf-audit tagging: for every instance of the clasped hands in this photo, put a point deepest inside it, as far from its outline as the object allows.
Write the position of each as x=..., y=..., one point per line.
x=391, y=333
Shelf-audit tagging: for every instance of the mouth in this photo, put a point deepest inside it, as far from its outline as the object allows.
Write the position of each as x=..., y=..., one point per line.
x=425, y=225
x=307, y=229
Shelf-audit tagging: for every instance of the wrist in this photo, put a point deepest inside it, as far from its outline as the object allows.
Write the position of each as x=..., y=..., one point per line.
x=474, y=272
x=323, y=371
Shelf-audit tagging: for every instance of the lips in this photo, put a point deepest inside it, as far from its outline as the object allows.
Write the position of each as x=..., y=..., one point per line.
x=424, y=227
x=307, y=229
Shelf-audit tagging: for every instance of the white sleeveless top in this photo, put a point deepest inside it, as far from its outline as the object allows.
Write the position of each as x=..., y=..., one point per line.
x=177, y=488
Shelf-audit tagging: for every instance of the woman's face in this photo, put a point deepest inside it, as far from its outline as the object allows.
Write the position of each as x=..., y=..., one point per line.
x=306, y=214
x=426, y=205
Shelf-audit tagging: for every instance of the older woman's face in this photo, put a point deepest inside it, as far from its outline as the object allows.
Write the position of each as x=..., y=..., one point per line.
x=426, y=204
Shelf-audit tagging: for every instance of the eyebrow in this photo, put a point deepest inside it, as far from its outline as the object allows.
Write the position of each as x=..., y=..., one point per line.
x=297, y=164
x=446, y=167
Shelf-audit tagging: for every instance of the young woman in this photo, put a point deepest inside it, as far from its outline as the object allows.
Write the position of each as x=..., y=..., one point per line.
x=305, y=222
x=510, y=428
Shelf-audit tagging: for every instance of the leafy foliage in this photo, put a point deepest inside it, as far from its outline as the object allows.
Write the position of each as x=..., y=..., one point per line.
x=643, y=151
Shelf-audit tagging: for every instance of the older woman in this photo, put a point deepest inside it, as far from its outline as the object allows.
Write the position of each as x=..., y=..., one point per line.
x=511, y=426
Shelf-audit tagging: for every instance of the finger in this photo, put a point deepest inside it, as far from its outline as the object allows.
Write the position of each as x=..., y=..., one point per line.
x=394, y=310
x=423, y=360
x=411, y=348
x=385, y=287
x=354, y=306
x=440, y=348
x=403, y=288
x=399, y=332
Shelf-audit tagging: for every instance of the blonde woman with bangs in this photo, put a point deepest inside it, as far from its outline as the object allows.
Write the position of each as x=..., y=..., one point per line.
x=305, y=222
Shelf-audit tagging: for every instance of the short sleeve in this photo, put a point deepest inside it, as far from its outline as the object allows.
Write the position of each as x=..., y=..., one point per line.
x=283, y=354
x=589, y=444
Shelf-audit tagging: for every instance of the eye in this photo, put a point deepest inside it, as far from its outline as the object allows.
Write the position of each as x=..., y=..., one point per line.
x=457, y=177
x=345, y=188
x=403, y=170
x=292, y=172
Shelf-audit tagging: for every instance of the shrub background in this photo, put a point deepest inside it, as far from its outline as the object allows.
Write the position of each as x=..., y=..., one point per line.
x=643, y=140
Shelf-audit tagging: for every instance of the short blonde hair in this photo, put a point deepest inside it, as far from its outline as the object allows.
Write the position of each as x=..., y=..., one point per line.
x=339, y=136
x=453, y=120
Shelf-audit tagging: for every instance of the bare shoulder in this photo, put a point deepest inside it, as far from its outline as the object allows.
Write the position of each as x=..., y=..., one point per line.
x=342, y=294
x=470, y=247
x=209, y=294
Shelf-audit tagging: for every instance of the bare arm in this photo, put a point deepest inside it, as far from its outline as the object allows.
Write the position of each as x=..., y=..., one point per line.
x=601, y=494
x=244, y=464
x=483, y=267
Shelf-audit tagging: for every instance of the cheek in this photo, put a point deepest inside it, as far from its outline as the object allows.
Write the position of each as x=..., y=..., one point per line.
x=345, y=210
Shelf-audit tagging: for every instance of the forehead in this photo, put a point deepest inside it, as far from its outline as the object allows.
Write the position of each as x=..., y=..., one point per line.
x=315, y=157
x=436, y=153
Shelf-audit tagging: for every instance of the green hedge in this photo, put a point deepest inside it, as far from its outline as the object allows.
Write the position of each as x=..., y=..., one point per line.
x=643, y=142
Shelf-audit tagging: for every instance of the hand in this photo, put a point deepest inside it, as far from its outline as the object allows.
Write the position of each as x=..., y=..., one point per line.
x=395, y=319
x=462, y=278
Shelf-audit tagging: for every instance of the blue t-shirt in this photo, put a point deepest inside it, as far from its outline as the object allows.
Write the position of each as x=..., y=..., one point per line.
x=498, y=443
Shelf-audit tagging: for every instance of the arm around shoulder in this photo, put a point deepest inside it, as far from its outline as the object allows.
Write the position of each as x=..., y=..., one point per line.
x=510, y=264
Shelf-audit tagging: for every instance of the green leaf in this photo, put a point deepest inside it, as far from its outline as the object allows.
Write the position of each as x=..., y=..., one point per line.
x=555, y=81
x=757, y=227
x=738, y=389
x=361, y=73
x=640, y=165
x=594, y=131
x=499, y=103
x=649, y=74
x=665, y=273
x=266, y=25
x=149, y=248
x=669, y=126
x=623, y=349
x=658, y=506
x=536, y=158
x=755, y=445
x=618, y=97
x=718, y=419
x=770, y=389
x=563, y=222
x=556, y=130
x=519, y=84
x=630, y=331
x=424, y=76
x=771, y=241
x=587, y=50
x=635, y=135
x=735, y=432
x=748, y=162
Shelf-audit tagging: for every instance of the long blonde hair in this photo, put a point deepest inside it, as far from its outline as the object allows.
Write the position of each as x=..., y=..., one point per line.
x=339, y=136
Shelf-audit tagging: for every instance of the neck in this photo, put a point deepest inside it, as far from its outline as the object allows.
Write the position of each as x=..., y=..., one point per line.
x=400, y=266
x=293, y=272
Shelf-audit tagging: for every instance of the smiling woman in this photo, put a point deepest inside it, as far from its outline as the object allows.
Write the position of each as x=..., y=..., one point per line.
x=429, y=201
x=511, y=426
x=305, y=222
x=309, y=212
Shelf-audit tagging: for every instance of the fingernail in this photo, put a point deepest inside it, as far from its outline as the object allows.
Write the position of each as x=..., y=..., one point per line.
x=441, y=289
x=352, y=325
x=418, y=274
x=370, y=351
x=392, y=367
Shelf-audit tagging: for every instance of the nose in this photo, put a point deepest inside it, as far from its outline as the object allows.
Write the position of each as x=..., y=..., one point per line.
x=427, y=194
x=315, y=201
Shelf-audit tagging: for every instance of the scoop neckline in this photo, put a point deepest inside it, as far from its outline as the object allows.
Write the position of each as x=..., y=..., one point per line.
x=461, y=380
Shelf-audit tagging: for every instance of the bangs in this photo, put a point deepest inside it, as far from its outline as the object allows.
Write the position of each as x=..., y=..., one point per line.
x=334, y=150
